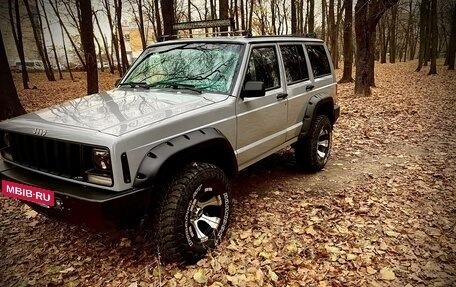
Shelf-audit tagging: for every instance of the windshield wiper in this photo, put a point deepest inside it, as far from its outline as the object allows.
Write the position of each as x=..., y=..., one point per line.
x=135, y=84
x=176, y=86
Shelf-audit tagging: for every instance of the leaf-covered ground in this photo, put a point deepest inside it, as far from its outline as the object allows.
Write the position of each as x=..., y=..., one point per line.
x=382, y=213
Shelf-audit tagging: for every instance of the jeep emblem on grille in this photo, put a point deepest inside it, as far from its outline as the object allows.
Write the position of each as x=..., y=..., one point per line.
x=39, y=132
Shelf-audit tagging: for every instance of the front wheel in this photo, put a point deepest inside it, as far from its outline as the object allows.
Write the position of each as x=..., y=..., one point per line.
x=312, y=152
x=194, y=214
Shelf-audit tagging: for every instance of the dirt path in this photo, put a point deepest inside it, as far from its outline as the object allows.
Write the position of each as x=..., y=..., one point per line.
x=382, y=213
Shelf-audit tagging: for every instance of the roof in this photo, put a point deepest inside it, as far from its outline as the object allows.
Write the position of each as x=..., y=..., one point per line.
x=242, y=40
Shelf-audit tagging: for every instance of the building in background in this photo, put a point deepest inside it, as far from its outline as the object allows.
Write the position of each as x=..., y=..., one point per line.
x=30, y=49
x=133, y=43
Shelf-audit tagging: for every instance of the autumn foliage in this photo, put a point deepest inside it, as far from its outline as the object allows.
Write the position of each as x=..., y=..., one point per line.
x=382, y=213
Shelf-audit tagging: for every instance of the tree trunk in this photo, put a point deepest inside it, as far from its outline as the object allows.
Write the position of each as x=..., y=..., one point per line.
x=241, y=8
x=348, y=43
x=293, y=17
x=142, y=30
x=17, y=34
x=158, y=18
x=105, y=44
x=167, y=7
x=47, y=63
x=311, y=18
x=115, y=43
x=367, y=16
x=251, y=14
x=34, y=21
x=52, y=40
x=384, y=39
x=123, y=50
x=452, y=42
x=75, y=48
x=66, y=54
x=323, y=20
x=223, y=13
x=434, y=39
x=100, y=56
x=88, y=45
x=392, y=33
x=424, y=11
x=9, y=100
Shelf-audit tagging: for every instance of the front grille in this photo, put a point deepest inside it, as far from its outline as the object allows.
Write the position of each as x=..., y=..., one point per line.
x=62, y=158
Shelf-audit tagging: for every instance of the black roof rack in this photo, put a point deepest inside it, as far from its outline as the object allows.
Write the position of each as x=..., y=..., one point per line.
x=216, y=24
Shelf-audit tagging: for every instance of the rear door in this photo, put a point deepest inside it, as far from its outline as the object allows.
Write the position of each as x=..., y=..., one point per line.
x=299, y=85
x=262, y=122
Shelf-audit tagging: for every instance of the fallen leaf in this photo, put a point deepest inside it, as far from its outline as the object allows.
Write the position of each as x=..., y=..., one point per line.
x=272, y=275
x=392, y=233
x=387, y=274
x=231, y=269
x=200, y=277
x=311, y=231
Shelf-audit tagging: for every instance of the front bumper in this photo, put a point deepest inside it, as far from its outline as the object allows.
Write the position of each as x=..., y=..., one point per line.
x=81, y=204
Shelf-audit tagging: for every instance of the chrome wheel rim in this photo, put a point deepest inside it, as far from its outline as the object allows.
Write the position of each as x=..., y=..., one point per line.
x=205, y=215
x=323, y=143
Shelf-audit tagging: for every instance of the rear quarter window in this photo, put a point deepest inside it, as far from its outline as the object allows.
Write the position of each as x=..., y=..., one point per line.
x=295, y=63
x=318, y=60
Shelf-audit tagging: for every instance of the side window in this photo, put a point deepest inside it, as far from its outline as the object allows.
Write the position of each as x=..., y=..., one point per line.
x=295, y=63
x=263, y=66
x=319, y=60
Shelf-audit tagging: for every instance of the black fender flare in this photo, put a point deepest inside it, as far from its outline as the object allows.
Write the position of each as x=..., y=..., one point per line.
x=315, y=103
x=207, y=144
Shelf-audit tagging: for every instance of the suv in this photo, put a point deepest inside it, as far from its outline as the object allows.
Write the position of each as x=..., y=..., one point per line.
x=186, y=117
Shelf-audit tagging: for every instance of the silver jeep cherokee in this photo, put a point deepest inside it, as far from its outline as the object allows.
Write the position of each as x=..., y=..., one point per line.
x=187, y=116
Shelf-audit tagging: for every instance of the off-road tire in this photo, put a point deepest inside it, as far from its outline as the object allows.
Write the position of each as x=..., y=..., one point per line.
x=313, y=151
x=178, y=238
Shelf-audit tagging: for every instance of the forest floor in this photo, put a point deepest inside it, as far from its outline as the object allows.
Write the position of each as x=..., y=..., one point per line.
x=382, y=213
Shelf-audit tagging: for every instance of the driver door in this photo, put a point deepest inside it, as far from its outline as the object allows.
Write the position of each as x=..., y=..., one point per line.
x=261, y=121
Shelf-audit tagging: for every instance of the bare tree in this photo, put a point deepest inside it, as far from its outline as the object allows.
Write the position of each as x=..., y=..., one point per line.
x=85, y=8
x=137, y=9
x=424, y=32
x=452, y=41
x=323, y=19
x=434, y=39
x=311, y=17
x=367, y=16
x=16, y=28
x=105, y=44
x=348, y=43
x=62, y=25
x=43, y=7
x=66, y=53
x=123, y=51
x=393, y=33
x=384, y=37
x=223, y=11
x=115, y=43
x=167, y=7
x=35, y=21
x=11, y=106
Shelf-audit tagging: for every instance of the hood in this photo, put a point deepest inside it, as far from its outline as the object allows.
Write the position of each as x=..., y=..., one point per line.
x=123, y=110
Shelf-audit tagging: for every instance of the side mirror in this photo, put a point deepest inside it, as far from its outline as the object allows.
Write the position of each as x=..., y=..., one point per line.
x=253, y=89
x=117, y=82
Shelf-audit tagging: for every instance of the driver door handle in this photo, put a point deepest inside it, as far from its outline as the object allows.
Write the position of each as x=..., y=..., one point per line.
x=310, y=88
x=282, y=96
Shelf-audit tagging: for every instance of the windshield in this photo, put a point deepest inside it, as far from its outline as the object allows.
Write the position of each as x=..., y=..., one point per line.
x=203, y=66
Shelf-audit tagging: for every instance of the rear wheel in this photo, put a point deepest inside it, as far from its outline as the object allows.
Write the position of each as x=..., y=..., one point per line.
x=194, y=214
x=313, y=151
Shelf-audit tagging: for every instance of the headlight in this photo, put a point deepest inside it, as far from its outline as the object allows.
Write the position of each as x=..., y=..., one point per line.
x=102, y=173
x=101, y=159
